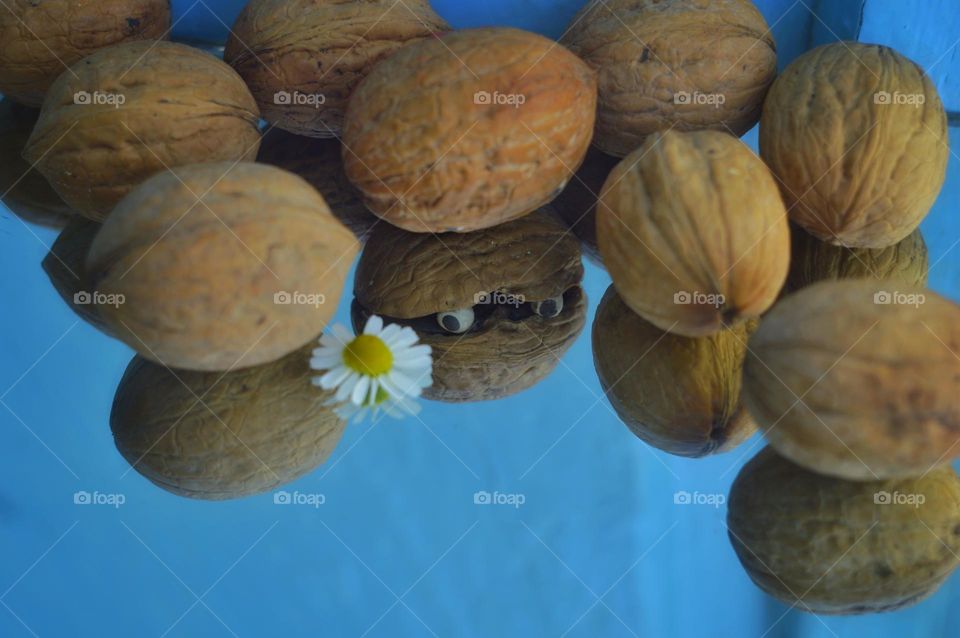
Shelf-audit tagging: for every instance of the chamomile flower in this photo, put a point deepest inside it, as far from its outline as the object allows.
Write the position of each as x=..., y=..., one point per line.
x=384, y=368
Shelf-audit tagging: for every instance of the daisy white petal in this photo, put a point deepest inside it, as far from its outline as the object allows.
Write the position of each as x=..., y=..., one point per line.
x=374, y=325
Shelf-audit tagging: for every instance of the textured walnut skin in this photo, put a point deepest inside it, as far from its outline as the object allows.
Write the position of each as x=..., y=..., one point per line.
x=646, y=52
x=878, y=382
x=855, y=172
x=320, y=47
x=694, y=213
x=428, y=158
x=39, y=40
x=813, y=260
x=215, y=436
x=825, y=545
x=319, y=162
x=182, y=106
x=678, y=394
x=404, y=275
x=200, y=279
x=577, y=204
x=25, y=192
x=65, y=265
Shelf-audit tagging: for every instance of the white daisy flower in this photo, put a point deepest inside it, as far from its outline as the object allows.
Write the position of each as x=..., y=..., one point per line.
x=383, y=368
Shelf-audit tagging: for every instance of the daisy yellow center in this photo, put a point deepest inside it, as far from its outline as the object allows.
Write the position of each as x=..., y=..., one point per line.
x=368, y=355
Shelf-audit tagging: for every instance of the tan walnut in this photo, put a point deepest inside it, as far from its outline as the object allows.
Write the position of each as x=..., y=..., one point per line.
x=679, y=394
x=242, y=276
x=673, y=64
x=693, y=232
x=319, y=162
x=303, y=58
x=813, y=260
x=133, y=110
x=858, y=378
x=830, y=546
x=40, y=40
x=857, y=135
x=24, y=190
x=498, y=306
x=468, y=130
x=215, y=436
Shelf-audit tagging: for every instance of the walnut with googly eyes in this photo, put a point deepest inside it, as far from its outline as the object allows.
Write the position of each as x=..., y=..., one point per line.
x=498, y=306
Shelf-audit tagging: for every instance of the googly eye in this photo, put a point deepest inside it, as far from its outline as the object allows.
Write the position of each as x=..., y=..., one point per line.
x=549, y=308
x=456, y=321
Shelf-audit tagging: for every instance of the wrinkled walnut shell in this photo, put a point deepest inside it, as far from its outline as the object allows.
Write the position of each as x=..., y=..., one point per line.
x=813, y=260
x=673, y=64
x=39, y=40
x=65, y=265
x=434, y=143
x=319, y=162
x=858, y=379
x=860, y=162
x=693, y=232
x=408, y=276
x=831, y=546
x=180, y=106
x=241, y=278
x=314, y=48
x=678, y=394
x=215, y=436
x=577, y=204
x=25, y=191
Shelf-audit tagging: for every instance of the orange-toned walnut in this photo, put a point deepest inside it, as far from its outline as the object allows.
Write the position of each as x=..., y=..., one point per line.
x=693, y=232
x=130, y=111
x=40, y=40
x=246, y=274
x=469, y=130
x=673, y=64
x=303, y=58
x=857, y=135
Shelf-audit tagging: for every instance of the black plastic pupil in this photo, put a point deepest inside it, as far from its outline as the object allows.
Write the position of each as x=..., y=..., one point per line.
x=548, y=308
x=451, y=323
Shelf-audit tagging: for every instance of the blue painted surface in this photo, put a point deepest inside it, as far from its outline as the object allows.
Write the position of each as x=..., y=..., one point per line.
x=399, y=519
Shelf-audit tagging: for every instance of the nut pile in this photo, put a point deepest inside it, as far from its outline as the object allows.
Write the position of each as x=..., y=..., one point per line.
x=781, y=292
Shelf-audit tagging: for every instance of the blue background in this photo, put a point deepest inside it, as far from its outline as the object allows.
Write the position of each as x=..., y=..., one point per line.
x=399, y=548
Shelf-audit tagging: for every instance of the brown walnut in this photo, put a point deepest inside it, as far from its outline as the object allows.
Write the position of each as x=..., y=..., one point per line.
x=215, y=436
x=510, y=279
x=66, y=267
x=577, y=204
x=133, y=110
x=303, y=58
